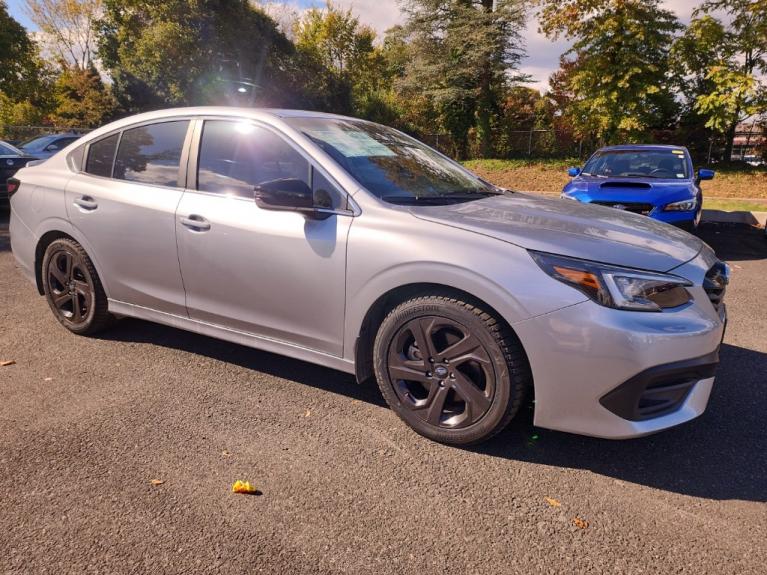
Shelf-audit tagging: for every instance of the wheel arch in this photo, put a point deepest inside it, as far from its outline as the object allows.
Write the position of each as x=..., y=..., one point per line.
x=53, y=231
x=377, y=311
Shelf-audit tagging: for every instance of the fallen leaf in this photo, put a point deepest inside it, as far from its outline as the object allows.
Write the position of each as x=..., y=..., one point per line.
x=580, y=523
x=226, y=453
x=244, y=487
x=157, y=481
x=6, y=363
x=308, y=413
x=48, y=379
x=553, y=502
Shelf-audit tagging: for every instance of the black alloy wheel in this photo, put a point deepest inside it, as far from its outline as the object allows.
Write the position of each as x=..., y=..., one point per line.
x=449, y=369
x=73, y=289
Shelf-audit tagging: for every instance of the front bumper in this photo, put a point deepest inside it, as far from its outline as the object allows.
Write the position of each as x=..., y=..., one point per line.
x=584, y=356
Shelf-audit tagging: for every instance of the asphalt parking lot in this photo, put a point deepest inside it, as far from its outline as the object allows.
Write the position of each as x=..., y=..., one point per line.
x=86, y=424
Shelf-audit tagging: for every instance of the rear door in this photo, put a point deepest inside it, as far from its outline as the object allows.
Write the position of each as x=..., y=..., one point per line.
x=270, y=273
x=124, y=203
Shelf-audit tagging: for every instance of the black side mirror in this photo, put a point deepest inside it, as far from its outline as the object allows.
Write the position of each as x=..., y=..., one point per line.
x=288, y=195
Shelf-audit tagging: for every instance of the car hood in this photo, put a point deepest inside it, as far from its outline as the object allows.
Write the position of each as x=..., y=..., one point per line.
x=570, y=228
x=648, y=190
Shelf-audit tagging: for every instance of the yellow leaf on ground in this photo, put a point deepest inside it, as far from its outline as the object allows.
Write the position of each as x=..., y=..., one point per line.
x=580, y=523
x=308, y=413
x=157, y=481
x=7, y=362
x=553, y=502
x=226, y=453
x=244, y=487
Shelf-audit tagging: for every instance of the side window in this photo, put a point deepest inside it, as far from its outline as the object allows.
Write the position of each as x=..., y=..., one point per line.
x=151, y=154
x=235, y=157
x=101, y=154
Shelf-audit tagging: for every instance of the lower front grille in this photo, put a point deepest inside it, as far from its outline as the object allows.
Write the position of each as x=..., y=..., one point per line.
x=715, y=283
x=634, y=207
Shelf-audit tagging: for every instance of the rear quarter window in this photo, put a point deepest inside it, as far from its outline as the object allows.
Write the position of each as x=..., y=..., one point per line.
x=101, y=155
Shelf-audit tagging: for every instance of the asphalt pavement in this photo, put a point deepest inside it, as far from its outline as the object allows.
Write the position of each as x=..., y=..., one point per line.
x=87, y=424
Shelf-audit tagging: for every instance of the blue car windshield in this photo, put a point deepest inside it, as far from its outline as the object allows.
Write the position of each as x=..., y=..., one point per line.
x=391, y=165
x=665, y=164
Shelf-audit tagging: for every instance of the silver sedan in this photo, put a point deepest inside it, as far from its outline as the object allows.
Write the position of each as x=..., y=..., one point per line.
x=349, y=244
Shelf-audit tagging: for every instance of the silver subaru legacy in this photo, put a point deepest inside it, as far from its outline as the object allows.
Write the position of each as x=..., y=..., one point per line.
x=349, y=244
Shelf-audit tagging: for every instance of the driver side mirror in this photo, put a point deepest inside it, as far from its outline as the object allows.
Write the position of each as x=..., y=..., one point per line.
x=288, y=195
x=704, y=174
x=573, y=172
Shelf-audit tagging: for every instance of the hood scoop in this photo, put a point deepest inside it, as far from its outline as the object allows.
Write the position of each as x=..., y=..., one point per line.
x=626, y=185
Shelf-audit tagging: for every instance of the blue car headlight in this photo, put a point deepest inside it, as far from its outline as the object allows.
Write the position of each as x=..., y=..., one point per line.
x=683, y=206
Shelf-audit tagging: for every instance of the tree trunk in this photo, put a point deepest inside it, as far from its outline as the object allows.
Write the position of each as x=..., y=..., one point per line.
x=729, y=137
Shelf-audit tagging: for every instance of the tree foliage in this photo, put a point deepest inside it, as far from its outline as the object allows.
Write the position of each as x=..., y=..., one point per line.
x=462, y=55
x=185, y=52
x=727, y=61
x=621, y=85
x=81, y=99
x=68, y=28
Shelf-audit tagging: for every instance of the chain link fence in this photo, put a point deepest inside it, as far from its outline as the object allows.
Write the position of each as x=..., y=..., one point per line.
x=750, y=143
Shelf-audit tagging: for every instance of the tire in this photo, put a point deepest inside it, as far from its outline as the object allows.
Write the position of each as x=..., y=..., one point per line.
x=471, y=382
x=73, y=288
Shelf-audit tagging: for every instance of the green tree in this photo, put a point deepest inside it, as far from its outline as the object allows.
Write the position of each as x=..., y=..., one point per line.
x=348, y=71
x=463, y=55
x=185, y=52
x=81, y=99
x=621, y=86
x=24, y=78
x=732, y=87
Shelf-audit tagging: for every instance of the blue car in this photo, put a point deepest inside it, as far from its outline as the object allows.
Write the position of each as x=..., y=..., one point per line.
x=656, y=181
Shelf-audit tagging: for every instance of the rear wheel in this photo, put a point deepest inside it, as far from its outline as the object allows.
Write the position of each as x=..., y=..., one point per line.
x=451, y=370
x=73, y=289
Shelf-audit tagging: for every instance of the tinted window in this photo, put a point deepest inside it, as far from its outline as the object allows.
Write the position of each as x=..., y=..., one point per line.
x=151, y=154
x=235, y=157
x=100, y=157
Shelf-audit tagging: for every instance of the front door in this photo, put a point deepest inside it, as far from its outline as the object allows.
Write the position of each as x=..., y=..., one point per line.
x=274, y=274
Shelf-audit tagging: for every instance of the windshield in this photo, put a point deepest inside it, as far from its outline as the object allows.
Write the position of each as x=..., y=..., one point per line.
x=667, y=164
x=392, y=166
x=8, y=150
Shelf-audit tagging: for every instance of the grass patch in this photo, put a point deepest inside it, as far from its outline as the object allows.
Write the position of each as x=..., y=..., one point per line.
x=551, y=176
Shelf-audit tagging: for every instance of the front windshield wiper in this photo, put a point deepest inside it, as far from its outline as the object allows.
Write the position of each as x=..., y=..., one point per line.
x=438, y=200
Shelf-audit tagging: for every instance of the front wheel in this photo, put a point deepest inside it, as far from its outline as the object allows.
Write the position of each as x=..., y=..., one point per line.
x=451, y=370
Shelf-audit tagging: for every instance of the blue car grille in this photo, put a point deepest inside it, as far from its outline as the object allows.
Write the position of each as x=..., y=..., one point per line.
x=634, y=207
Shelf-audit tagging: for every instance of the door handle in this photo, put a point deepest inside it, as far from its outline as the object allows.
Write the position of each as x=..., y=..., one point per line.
x=196, y=223
x=86, y=203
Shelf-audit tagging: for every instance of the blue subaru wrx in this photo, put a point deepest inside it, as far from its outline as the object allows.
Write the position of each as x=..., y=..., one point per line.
x=656, y=181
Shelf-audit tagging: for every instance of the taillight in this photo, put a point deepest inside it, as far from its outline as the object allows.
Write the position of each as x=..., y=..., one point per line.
x=13, y=186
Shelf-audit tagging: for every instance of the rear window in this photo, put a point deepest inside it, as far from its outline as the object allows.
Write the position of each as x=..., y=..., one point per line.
x=151, y=154
x=101, y=154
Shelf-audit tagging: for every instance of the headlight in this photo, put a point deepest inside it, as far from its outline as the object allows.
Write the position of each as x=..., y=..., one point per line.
x=616, y=287
x=683, y=206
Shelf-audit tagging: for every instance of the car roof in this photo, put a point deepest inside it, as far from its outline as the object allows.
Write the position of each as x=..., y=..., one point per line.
x=641, y=147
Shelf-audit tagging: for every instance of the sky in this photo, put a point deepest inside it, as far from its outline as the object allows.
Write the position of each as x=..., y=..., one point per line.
x=542, y=54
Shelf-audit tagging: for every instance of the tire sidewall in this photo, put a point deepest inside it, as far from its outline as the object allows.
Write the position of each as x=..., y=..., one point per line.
x=63, y=245
x=448, y=309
